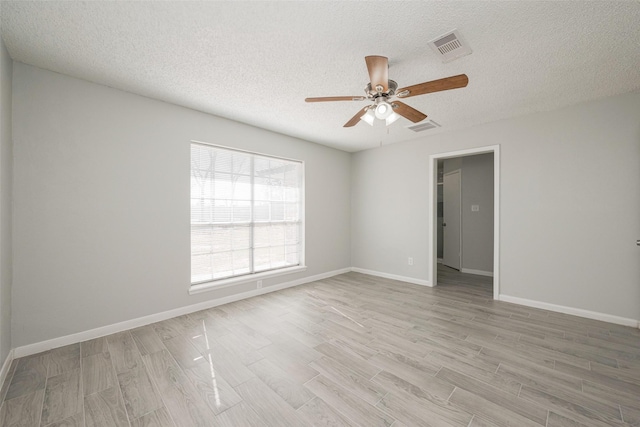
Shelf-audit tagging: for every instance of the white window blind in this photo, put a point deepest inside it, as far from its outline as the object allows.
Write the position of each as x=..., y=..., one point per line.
x=246, y=213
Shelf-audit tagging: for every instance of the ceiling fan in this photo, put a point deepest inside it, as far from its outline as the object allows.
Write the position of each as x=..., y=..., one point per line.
x=381, y=90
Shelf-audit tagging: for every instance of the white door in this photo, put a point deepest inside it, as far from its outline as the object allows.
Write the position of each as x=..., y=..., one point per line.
x=452, y=219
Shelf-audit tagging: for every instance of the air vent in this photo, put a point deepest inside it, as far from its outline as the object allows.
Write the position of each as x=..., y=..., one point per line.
x=420, y=127
x=450, y=46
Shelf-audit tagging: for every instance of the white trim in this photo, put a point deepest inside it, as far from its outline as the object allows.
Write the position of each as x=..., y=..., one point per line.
x=392, y=276
x=433, y=179
x=610, y=318
x=476, y=272
x=232, y=281
x=38, y=347
x=5, y=367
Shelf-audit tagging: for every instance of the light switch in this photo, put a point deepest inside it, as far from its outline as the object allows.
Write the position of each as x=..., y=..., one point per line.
x=475, y=208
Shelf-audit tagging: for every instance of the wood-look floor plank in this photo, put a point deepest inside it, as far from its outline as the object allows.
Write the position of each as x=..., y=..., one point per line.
x=63, y=397
x=500, y=352
x=76, y=420
x=492, y=394
x=271, y=408
x=537, y=376
x=7, y=381
x=310, y=339
x=249, y=336
x=630, y=374
x=433, y=389
x=214, y=390
x=30, y=375
x=586, y=374
x=94, y=346
x=355, y=409
x=281, y=383
x=569, y=408
x=318, y=414
x=486, y=409
x=415, y=371
x=180, y=397
x=63, y=359
x=300, y=371
x=630, y=416
x=240, y=415
x=540, y=352
x=351, y=347
x=138, y=392
x=477, y=421
x=355, y=363
x=610, y=395
x=105, y=409
x=241, y=349
x=158, y=418
x=183, y=352
x=123, y=351
x=226, y=364
x=171, y=328
x=475, y=368
x=97, y=373
x=362, y=387
x=572, y=348
x=146, y=340
x=418, y=408
x=24, y=410
x=556, y=420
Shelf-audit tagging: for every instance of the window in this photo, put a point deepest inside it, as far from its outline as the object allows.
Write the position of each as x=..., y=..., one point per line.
x=246, y=213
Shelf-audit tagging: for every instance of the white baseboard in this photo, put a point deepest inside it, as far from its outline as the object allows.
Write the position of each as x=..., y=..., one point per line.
x=392, y=276
x=571, y=310
x=5, y=368
x=29, y=349
x=477, y=272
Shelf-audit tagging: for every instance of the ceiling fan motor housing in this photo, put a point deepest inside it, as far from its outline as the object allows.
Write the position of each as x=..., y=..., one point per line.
x=373, y=93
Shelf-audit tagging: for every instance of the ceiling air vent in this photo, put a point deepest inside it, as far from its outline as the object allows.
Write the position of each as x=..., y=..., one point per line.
x=450, y=46
x=420, y=127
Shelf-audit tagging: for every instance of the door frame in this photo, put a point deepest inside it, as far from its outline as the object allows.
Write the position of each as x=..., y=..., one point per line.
x=459, y=172
x=433, y=204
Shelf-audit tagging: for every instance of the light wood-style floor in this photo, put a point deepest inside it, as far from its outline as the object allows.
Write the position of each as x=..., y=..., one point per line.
x=352, y=350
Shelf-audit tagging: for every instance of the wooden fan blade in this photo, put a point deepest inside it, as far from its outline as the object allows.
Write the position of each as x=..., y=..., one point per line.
x=335, y=98
x=355, y=119
x=447, y=83
x=378, y=67
x=408, y=112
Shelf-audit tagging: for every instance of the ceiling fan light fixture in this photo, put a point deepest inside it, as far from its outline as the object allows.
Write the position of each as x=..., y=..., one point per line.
x=383, y=110
x=368, y=117
x=392, y=118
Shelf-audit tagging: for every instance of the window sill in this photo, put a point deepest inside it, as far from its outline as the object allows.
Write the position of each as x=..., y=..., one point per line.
x=225, y=283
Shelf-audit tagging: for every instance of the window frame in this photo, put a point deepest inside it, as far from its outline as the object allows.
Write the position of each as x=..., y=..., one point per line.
x=206, y=285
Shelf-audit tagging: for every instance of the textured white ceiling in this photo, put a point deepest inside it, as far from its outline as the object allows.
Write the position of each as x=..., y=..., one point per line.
x=255, y=62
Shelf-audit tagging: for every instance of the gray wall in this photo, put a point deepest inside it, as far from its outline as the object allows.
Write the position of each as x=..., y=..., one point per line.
x=101, y=203
x=569, y=204
x=6, y=179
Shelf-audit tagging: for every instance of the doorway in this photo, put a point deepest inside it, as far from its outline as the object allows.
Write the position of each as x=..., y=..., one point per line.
x=455, y=258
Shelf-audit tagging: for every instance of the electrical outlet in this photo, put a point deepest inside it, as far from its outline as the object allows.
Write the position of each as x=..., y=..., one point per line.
x=259, y=284
x=410, y=261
